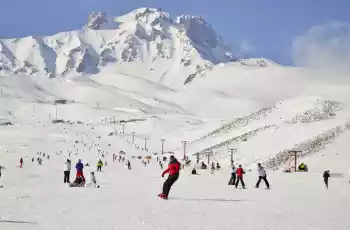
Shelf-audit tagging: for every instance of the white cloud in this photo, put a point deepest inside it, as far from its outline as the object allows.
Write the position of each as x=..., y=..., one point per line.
x=326, y=46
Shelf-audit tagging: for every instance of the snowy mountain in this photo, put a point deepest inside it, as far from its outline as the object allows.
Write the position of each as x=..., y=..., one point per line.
x=146, y=83
x=148, y=38
x=134, y=68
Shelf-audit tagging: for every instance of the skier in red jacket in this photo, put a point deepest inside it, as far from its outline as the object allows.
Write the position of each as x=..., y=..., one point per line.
x=239, y=173
x=21, y=162
x=174, y=171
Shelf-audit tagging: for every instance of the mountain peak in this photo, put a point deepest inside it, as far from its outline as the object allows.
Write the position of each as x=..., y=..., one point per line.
x=167, y=49
x=99, y=20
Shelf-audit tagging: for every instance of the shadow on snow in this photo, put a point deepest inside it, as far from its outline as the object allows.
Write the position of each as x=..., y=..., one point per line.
x=17, y=222
x=205, y=199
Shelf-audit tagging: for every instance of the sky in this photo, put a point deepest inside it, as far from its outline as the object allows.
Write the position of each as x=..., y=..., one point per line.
x=298, y=32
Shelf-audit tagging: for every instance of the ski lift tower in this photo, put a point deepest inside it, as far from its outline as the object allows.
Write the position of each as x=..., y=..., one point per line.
x=232, y=151
x=294, y=154
x=209, y=154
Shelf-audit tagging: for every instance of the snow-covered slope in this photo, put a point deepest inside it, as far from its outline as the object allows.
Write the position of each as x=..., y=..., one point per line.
x=142, y=68
x=144, y=83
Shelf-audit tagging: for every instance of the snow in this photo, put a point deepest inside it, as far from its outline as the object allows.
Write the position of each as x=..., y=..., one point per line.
x=145, y=38
x=145, y=74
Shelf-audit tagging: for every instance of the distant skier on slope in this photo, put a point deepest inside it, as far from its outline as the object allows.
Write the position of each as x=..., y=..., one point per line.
x=1, y=168
x=239, y=173
x=129, y=165
x=174, y=172
x=21, y=162
x=93, y=182
x=326, y=176
x=232, y=180
x=99, y=165
x=194, y=172
x=212, y=168
x=79, y=167
x=262, y=176
x=67, y=168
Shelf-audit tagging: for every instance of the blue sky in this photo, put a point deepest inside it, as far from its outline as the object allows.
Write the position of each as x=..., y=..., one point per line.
x=260, y=28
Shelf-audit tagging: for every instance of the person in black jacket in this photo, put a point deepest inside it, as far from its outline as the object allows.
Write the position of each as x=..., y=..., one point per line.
x=326, y=176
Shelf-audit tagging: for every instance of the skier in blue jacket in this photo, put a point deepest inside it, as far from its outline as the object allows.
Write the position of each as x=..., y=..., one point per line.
x=79, y=167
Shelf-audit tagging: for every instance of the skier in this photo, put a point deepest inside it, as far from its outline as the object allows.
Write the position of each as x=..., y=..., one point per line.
x=262, y=176
x=21, y=162
x=161, y=164
x=1, y=167
x=93, y=182
x=194, y=172
x=33, y=159
x=212, y=168
x=232, y=180
x=326, y=176
x=129, y=165
x=67, y=168
x=79, y=167
x=218, y=165
x=239, y=173
x=174, y=172
x=99, y=165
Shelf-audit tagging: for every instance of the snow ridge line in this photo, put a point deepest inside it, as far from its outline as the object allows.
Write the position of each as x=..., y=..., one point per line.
x=242, y=137
x=308, y=147
x=314, y=115
x=239, y=122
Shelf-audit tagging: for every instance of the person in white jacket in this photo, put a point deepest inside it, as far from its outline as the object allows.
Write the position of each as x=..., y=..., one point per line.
x=262, y=176
x=67, y=168
x=93, y=182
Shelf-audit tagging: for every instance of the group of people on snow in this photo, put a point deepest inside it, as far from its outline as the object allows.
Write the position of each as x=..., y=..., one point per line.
x=237, y=176
x=80, y=180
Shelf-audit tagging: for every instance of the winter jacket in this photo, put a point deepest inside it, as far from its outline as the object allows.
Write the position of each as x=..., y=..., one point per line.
x=239, y=172
x=326, y=175
x=79, y=166
x=233, y=169
x=261, y=171
x=67, y=166
x=173, y=168
x=99, y=164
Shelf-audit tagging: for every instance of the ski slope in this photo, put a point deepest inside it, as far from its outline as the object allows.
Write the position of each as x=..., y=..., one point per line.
x=125, y=84
x=34, y=197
